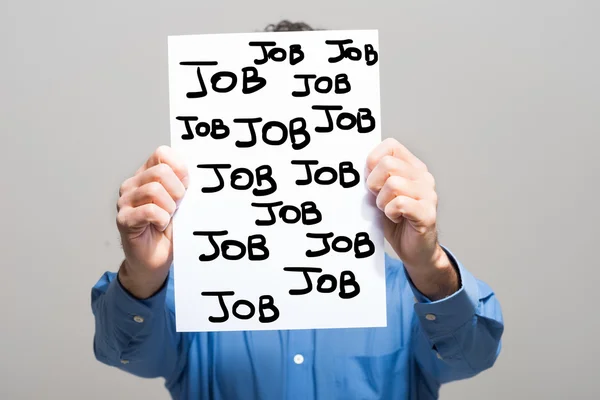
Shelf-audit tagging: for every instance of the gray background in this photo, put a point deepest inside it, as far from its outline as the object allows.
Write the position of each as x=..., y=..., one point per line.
x=499, y=98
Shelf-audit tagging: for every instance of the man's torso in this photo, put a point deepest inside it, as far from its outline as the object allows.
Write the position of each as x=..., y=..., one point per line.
x=359, y=363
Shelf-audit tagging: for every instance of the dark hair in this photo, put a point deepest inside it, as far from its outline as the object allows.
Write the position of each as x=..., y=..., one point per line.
x=288, y=26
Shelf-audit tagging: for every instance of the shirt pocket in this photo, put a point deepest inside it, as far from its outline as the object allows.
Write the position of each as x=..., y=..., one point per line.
x=383, y=376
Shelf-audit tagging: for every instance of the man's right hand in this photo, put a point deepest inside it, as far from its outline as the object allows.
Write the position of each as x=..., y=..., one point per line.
x=145, y=208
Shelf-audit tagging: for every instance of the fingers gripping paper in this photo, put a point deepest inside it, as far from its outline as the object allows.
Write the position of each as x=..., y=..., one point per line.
x=277, y=229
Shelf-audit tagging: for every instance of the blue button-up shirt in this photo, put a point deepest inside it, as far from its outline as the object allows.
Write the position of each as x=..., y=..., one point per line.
x=425, y=344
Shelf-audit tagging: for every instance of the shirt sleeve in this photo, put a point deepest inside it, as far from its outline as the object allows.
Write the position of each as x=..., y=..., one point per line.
x=459, y=336
x=136, y=336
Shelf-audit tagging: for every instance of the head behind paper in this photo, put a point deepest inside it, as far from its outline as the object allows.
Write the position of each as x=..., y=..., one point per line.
x=288, y=26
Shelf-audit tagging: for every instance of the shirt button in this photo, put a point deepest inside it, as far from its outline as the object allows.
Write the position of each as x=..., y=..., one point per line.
x=298, y=358
x=430, y=317
x=124, y=361
x=438, y=355
x=138, y=319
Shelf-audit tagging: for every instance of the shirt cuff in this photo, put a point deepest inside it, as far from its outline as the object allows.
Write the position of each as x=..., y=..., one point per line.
x=444, y=316
x=134, y=315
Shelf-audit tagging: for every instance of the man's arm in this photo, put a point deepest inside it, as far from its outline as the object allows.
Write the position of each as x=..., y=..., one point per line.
x=136, y=336
x=460, y=322
x=135, y=327
x=458, y=336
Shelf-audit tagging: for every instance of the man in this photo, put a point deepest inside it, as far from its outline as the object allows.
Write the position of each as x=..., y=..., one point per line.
x=443, y=324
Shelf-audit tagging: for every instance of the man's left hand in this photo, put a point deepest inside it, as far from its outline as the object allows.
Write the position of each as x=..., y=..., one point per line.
x=405, y=191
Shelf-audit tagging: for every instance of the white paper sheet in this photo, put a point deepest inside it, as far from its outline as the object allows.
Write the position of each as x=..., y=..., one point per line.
x=261, y=287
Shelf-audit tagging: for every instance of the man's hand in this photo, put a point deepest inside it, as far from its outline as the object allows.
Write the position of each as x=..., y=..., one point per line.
x=406, y=194
x=145, y=207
